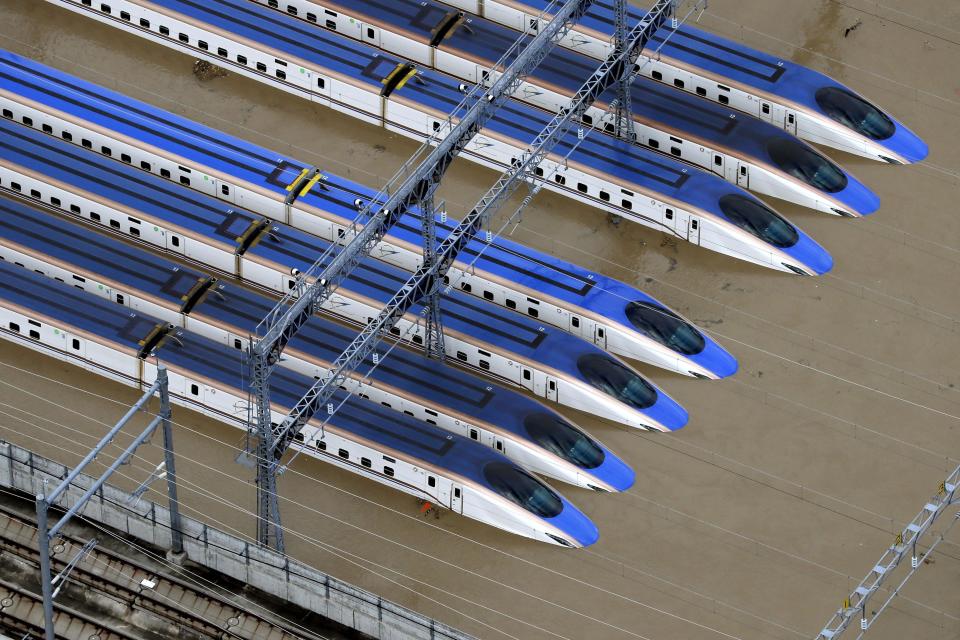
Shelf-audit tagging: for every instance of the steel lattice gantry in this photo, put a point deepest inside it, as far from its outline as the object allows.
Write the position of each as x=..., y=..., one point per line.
x=619, y=67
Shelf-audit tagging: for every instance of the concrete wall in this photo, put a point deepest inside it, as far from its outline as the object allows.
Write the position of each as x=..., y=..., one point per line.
x=261, y=568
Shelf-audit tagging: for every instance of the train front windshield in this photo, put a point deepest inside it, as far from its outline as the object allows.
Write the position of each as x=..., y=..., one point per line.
x=666, y=327
x=753, y=216
x=564, y=440
x=616, y=380
x=523, y=489
x=854, y=112
x=805, y=164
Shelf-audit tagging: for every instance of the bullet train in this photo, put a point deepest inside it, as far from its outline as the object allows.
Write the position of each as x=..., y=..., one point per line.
x=613, y=176
x=744, y=151
x=366, y=439
x=614, y=316
x=798, y=99
x=187, y=224
x=524, y=430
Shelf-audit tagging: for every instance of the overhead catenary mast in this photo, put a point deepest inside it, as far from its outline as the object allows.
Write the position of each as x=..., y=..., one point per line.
x=619, y=67
x=405, y=190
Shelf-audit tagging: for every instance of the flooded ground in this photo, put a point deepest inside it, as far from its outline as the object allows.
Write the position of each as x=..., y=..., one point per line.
x=755, y=520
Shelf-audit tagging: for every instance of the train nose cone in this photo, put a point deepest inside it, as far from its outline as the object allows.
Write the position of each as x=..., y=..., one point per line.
x=576, y=525
x=717, y=360
x=810, y=255
x=668, y=412
x=859, y=198
x=908, y=145
x=616, y=473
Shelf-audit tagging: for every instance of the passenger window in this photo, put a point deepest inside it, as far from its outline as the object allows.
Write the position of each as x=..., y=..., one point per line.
x=105, y=8
x=203, y=45
x=511, y=304
x=474, y=435
x=184, y=37
x=574, y=322
x=456, y=492
x=34, y=194
x=765, y=108
x=95, y=216
x=343, y=453
x=144, y=23
x=677, y=82
x=164, y=173
x=718, y=160
x=657, y=75
x=669, y=214
x=261, y=67
x=701, y=91
x=655, y=144
x=48, y=129
x=194, y=389
x=466, y=287
x=675, y=151
x=126, y=158
x=488, y=295
x=694, y=223
x=75, y=344
x=605, y=196
x=8, y=114
x=560, y=179
x=241, y=59
x=34, y=334
x=86, y=144
x=321, y=445
x=221, y=52
x=533, y=312
x=119, y=298
x=55, y=201
x=175, y=241
x=553, y=386
x=14, y=327
x=723, y=99
x=321, y=83
x=281, y=74
x=145, y=165
x=388, y=471
x=164, y=31
x=582, y=188
x=66, y=135
x=366, y=462
x=184, y=180
x=431, y=481
x=107, y=151
x=115, y=224
x=484, y=365
x=526, y=374
x=371, y=33
x=628, y=205
x=461, y=356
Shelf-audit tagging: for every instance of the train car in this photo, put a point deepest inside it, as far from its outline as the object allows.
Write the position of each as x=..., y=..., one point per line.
x=747, y=152
x=191, y=226
x=521, y=428
x=371, y=441
x=329, y=69
x=797, y=99
x=611, y=314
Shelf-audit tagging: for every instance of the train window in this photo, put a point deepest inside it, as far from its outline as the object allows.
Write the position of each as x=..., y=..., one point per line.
x=668, y=214
x=86, y=3
x=488, y=295
x=718, y=160
x=343, y=453
x=701, y=91
x=183, y=37
x=461, y=356
x=626, y=204
x=723, y=99
x=241, y=59
x=527, y=374
x=321, y=83
x=553, y=386
x=34, y=194
x=499, y=445
x=753, y=216
x=574, y=322
x=665, y=326
x=563, y=439
x=484, y=365
x=560, y=179
x=520, y=487
x=677, y=82
x=280, y=62
x=113, y=223
x=657, y=75
x=74, y=209
x=321, y=445
x=292, y=10
x=456, y=492
x=539, y=171
x=224, y=189
x=806, y=164
x=47, y=128
x=27, y=121
x=164, y=31
x=511, y=304
x=164, y=173
x=608, y=127
x=144, y=23
x=299, y=437
x=533, y=313
x=330, y=13
x=474, y=435
x=135, y=232
x=261, y=67
x=34, y=334
x=599, y=332
x=105, y=8
x=194, y=389
x=311, y=17
x=417, y=339
x=765, y=108
x=221, y=52
x=86, y=144
x=75, y=344
x=107, y=151
x=791, y=118
x=654, y=144
x=79, y=278
x=331, y=25
x=273, y=4
x=676, y=151
x=184, y=180
x=14, y=327
x=126, y=158
x=8, y=114
x=588, y=120
x=605, y=196
x=145, y=165
x=55, y=201
x=433, y=422
x=237, y=343
x=371, y=33
x=617, y=380
x=387, y=405
x=466, y=286
x=175, y=241
x=119, y=298
x=854, y=112
x=15, y=186
x=281, y=74
x=582, y=188
x=695, y=224
x=66, y=135
x=388, y=471
x=395, y=330
x=203, y=45
x=366, y=462
x=431, y=481
x=743, y=171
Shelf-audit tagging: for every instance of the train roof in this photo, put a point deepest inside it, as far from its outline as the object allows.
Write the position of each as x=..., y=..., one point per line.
x=221, y=364
x=234, y=156
x=638, y=168
x=288, y=247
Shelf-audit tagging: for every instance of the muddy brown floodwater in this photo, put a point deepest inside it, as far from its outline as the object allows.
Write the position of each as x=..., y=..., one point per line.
x=791, y=478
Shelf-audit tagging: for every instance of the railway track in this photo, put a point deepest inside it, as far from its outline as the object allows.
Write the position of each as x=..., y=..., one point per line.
x=174, y=603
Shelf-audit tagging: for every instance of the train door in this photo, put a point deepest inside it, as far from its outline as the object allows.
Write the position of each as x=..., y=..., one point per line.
x=790, y=123
x=371, y=35
x=224, y=191
x=600, y=336
x=743, y=175
x=766, y=111
x=526, y=378
x=719, y=164
x=577, y=326
x=456, y=498
x=552, y=392
x=693, y=230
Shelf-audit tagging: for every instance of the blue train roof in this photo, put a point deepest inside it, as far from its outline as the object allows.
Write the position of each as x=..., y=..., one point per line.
x=291, y=248
x=233, y=156
x=729, y=59
x=224, y=365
